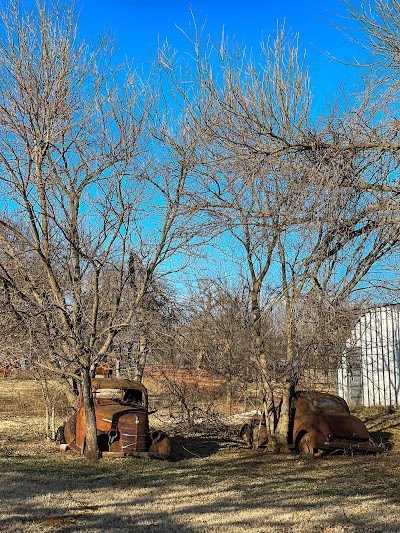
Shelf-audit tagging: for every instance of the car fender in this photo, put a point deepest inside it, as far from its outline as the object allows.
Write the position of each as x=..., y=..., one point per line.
x=316, y=436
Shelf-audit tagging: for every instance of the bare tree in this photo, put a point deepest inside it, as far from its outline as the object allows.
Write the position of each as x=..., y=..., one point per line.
x=216, y=335
x=308, y=203
x=81, y=190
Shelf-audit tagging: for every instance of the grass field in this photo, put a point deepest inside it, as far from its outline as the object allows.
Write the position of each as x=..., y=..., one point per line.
x=214, y=485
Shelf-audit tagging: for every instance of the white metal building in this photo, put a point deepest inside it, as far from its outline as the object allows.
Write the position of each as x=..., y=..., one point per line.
x=369, y=373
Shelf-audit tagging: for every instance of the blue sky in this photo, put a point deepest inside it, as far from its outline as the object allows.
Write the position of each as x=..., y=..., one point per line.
x=139, y=24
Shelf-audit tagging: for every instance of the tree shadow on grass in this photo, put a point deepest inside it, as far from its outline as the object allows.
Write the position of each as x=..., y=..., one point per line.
x=244, y=490
x=200, y=446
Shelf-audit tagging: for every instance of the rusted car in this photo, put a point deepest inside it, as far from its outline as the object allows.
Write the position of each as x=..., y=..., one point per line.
x=122, y=420
x=320, y=422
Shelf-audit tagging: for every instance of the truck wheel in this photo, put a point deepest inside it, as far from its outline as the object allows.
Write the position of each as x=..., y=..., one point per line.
x=60, y=437
x=304, y=445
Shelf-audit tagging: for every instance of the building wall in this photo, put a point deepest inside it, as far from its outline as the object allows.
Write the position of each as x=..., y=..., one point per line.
x=370, y=370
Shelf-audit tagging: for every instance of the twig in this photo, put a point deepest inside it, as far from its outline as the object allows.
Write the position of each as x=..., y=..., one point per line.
x=192, y=453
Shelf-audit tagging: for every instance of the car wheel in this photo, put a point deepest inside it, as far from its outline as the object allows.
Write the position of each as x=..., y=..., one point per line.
x=305, y=446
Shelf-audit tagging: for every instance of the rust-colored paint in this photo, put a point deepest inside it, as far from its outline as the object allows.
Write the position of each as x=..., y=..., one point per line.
x=122, y=422
x=322, y=421
x=103, y=370
x=319, y=422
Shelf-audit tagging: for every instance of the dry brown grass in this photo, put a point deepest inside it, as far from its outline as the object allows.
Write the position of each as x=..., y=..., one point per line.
x=383, y=423
x=213, y=486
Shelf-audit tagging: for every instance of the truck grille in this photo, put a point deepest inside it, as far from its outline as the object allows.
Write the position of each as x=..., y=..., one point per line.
x=133, y=432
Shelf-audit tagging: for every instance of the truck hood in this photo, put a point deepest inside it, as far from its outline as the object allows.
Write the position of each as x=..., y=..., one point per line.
x=114, y=408
x=347, y=426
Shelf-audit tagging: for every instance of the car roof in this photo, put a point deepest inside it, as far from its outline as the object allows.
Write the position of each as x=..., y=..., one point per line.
x=117, y=383
x=316, y=394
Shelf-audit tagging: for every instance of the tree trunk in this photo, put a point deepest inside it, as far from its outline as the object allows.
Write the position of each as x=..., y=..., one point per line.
x=270, y=413
x=229, y=386
x=282, y=428
x=91, y=447
x=139, y=357
x=269, y=408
